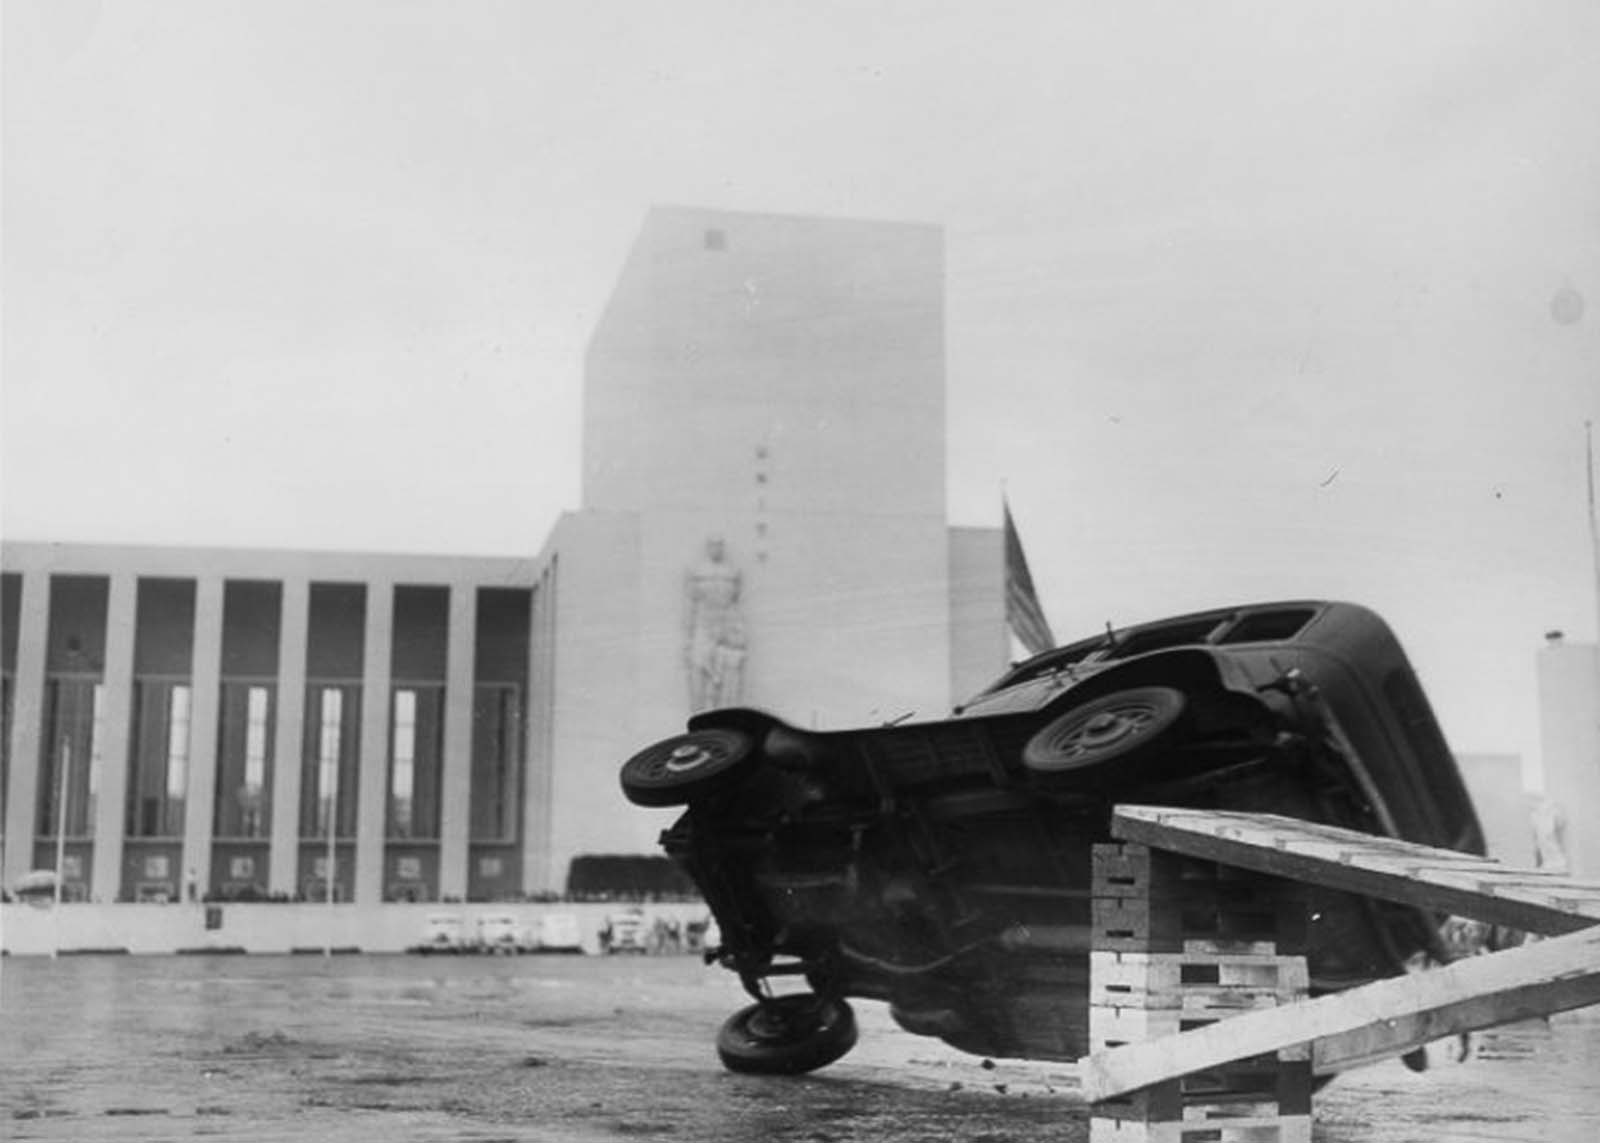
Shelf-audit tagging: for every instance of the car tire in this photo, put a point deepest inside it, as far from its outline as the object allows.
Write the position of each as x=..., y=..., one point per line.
x=677, y=770
x=1110, y=727
x=787, y=1035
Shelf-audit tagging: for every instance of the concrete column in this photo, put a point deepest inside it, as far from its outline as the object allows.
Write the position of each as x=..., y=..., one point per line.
x=27, y=726
x=538, y=712
x=116, y=723
x=205, y=704
x=288, y=736
x=372, y=798
x=455, y=802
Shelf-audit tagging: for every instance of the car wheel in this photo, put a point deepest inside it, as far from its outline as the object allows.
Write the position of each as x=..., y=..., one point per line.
x=1112, y=726
x=787, y=1035
x=676, y=771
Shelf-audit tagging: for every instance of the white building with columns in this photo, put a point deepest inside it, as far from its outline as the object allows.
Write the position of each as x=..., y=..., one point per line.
x=197, y=721
x=189, y=722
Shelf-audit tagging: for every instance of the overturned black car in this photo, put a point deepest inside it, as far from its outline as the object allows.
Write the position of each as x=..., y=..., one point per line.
x=944, y=867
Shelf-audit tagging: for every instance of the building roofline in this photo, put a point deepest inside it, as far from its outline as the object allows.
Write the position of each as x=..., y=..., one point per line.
x=672, y=208
x=70, y=558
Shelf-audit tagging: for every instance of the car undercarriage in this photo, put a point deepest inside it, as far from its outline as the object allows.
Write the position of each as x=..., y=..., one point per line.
x=944, y=867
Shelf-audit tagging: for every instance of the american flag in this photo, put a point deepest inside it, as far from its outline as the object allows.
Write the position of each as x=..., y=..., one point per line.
x=1023, y=613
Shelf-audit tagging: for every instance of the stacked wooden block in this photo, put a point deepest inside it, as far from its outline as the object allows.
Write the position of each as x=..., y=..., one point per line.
x=1178, y=943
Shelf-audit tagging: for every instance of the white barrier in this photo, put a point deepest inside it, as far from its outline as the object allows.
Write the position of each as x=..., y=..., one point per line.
x=28, y=930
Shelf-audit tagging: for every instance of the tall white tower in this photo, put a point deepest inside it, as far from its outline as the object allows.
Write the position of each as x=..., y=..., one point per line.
x=771, y=389
x=779, y=384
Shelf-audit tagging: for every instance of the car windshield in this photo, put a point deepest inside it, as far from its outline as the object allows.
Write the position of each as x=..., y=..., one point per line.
x=1049, y=663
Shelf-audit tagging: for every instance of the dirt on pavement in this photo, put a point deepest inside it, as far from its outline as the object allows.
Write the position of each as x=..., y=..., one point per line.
x=489, y=1049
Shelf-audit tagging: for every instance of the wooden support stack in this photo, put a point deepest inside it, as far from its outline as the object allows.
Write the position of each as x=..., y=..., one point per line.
x=1180, y=943
x=1390, y=1016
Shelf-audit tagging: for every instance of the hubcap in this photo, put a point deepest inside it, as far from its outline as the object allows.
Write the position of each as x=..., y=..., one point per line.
x=688, y=756
x=784, y=1022
x=1106, y=728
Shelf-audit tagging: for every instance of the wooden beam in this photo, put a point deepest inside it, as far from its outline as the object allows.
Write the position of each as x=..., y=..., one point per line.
x=1385, y=1018
x=1440, y=880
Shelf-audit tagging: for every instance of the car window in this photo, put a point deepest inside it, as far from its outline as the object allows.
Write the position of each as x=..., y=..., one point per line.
x=1269, y=626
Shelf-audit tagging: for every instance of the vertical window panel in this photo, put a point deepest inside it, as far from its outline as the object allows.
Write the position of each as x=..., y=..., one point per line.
x=255, y=742
x=244, y=760
x=402, y=776
x=7, y=691
x=330, y=760
x=69, y=741
x=177, y=742
x=416, y=754
x=159, y=766
x=96, y=753
x=328, y=751
x=496, y=762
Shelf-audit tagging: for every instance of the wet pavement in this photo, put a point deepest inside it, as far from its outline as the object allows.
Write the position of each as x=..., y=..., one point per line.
x=576, y=1049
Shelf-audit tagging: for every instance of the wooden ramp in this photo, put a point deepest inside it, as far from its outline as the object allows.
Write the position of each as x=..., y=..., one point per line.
x=1437, y=879
x=1391, y=1016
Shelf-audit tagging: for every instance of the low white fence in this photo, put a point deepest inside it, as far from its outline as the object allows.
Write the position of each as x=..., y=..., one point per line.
x=29, y=930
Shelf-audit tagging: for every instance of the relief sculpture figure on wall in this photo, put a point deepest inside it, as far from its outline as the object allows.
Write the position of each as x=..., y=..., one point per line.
x=714, y=645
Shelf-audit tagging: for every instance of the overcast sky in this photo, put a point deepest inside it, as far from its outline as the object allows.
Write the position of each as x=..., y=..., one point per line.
x=1245, y=301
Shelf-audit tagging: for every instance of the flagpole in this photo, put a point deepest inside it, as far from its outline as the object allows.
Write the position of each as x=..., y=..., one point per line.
x=332, y=856
x=65, y=788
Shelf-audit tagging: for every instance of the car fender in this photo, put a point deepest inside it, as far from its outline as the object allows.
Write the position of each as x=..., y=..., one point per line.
x=780, y=742
x=751, y=720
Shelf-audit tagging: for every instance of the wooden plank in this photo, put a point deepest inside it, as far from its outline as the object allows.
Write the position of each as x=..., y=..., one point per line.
x=1388, y=1017
x=1438, y=880
x=1312, y=836
x=1271, y=1129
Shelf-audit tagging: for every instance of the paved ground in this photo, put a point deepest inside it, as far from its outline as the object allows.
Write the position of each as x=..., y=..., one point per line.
x=578, y=1049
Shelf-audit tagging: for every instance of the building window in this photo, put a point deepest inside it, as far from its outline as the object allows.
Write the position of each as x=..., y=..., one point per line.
x=330, y=724
x=244, y=761
x=97, y=740
x=402, y=791
x=72, y=724
x=5, y=743
x=178, y=743
x=159, y=779
x=415, y=750
x=332, y=755
x=255, y=743
x=496, y=761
